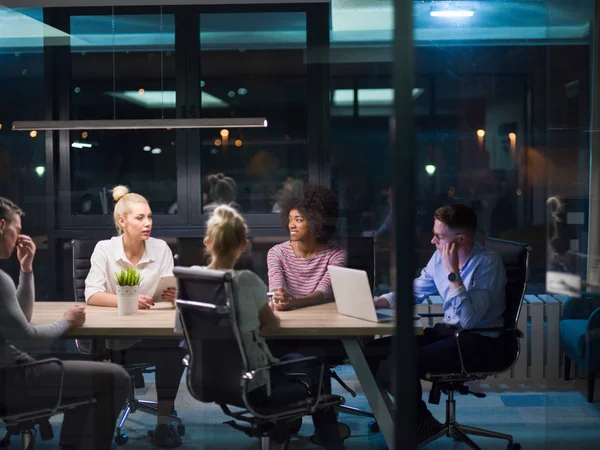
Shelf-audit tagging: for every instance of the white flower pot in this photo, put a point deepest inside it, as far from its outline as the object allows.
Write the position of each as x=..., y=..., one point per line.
x=127, y=300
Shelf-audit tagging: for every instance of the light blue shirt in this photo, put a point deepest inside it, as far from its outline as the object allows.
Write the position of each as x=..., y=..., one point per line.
x=479, y=303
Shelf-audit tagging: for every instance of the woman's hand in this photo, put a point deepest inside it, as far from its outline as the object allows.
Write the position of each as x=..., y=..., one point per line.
x=169, y=295
x=145, y=302
x=283, y=300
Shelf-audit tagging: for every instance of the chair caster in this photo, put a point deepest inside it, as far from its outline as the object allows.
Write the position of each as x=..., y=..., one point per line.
x=181, y=429
x=513, y=446
x=121, y=439
x=30, y=445
x=295, y=425
x=374, y=427
x=344, y=430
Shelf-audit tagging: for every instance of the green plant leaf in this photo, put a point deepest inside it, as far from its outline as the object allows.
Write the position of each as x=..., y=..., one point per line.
x=128, y=277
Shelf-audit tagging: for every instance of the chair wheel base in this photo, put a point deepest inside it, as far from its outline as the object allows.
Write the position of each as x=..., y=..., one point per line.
x=374, y=427
x=513, y=446
x=121, y=439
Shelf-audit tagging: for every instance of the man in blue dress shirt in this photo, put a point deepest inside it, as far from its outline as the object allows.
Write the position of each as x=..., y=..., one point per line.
x=470, y=278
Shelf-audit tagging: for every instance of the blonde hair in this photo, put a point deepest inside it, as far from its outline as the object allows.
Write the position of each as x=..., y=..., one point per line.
x=123, y=202
x=226, y=231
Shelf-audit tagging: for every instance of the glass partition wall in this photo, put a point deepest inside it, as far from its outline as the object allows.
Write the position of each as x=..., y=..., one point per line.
x=508, y=133
x=500, y=107
x=128, y=62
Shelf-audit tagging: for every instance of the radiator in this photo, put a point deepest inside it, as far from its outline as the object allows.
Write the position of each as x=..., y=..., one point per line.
x=541, y=356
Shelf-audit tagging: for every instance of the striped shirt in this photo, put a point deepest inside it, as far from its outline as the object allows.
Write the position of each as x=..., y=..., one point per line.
x=301, y=276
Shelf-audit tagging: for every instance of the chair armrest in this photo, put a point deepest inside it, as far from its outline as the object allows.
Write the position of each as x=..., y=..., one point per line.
x=43, y=362
x=592, y=337
x=594, y=320
x=501, y=330
x=431, y=314
x=581, y=307
x=314, y=396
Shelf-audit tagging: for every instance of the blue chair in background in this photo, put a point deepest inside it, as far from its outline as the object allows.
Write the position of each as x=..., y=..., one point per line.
x=580, y=336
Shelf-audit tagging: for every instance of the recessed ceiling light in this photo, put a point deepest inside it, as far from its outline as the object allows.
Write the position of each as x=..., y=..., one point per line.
x=147, y=148
x=156, y=151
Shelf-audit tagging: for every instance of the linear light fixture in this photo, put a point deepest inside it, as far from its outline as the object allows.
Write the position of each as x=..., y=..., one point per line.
x=81, y=145
x=142, y=124
x=452, y=13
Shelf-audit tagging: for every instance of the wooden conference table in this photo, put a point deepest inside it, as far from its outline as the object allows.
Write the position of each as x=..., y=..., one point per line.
x=322, y=321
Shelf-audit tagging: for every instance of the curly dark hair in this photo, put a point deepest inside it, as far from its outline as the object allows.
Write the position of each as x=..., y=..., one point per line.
x=318, y=205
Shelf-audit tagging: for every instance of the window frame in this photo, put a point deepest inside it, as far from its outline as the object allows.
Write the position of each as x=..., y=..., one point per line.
x=189, y=166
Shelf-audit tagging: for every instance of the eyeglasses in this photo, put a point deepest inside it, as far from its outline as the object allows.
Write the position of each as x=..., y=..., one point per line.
x=442, y=237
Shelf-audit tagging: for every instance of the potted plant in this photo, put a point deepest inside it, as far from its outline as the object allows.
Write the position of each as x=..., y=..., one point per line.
x=128, y=285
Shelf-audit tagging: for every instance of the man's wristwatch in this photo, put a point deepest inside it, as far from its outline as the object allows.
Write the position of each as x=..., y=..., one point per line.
x=452, y=277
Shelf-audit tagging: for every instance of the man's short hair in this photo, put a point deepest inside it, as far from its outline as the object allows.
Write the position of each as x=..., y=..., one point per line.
x=8, y=209
x=457, y=216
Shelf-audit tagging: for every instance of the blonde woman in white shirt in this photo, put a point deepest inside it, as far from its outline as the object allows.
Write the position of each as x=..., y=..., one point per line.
x=152, y=258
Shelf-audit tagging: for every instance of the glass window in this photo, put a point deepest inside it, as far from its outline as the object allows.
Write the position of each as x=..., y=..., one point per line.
x=22, y=153
x=252, y=65
x=123, y=67
x=144, y=160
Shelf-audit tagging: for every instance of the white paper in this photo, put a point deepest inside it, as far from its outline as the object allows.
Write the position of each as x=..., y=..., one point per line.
x=563, y=283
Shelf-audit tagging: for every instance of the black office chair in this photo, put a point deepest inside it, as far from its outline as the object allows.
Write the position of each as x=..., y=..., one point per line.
x=515, y=256
x=218, y=366
x=30, y=420
x=82, y=252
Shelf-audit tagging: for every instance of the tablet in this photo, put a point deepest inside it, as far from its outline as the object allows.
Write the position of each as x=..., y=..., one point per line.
x=165, y=282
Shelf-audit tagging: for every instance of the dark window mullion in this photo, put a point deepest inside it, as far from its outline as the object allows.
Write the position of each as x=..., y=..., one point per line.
x=318, y=82
x=187, y=43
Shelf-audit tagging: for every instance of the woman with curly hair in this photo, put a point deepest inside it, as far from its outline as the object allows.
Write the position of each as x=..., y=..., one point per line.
x=298, y=267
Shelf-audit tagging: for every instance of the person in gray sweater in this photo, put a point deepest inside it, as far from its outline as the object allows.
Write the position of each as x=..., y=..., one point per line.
x=86, y=427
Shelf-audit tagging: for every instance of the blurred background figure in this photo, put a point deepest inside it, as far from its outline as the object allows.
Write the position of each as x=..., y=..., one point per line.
x=222, y=190
x=561, y=258
x=291, y=185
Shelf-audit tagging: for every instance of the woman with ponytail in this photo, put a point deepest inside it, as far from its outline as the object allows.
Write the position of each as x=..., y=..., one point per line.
x=226, y=239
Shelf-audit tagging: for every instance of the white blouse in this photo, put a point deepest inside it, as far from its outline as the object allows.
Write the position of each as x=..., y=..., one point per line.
x=109, y=258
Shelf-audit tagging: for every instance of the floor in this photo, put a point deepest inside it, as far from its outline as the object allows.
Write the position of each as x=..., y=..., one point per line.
x=539, y=413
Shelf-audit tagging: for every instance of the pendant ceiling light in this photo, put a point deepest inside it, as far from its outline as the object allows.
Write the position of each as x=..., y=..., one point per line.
x=142, y=124
x=139, y=124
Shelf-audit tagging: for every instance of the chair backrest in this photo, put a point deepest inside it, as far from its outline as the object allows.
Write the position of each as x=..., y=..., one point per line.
x=361, y=255
x=515, y=256
x=207, y=314
x=82, y=252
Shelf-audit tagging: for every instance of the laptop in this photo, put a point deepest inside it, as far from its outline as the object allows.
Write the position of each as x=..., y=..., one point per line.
x=353, y=295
